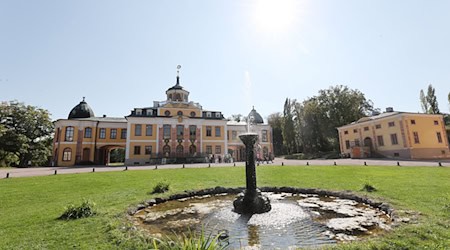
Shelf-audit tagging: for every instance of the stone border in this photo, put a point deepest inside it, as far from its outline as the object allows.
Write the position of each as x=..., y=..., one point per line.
x=386, y=208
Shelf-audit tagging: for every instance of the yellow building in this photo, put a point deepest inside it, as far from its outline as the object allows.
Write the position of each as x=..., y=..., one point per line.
x=396, y=134
x=172, y=131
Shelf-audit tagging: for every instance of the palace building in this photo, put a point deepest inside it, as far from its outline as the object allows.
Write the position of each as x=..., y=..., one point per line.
x=396, y=134
x=175, y=130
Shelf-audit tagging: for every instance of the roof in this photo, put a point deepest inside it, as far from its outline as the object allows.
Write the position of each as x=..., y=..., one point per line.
x=382, y=116
x=82, y=110
x=257, y=118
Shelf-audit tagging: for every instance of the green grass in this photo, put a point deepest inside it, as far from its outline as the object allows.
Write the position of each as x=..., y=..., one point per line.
x=29, y=207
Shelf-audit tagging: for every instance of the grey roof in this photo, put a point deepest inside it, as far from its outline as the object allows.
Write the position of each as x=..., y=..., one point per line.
x=257, y=118
x=104, y=119
x=82, y=110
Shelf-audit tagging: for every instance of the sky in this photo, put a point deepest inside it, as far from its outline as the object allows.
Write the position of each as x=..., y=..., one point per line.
x=122, y=55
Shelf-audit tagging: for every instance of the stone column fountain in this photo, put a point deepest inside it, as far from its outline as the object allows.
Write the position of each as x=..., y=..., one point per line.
x=251, y=201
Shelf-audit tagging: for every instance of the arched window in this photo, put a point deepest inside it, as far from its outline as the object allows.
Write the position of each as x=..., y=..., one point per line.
x=167, y=113
x=180, y=113
x=192, y=114
x=67, y=154
x=69, y=134
x=178, y=97
x=180, y=150
x=192, y=150
x=166, y=150
x=170, y=97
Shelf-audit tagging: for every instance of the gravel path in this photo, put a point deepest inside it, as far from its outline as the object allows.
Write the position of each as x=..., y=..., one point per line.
x=42, y=171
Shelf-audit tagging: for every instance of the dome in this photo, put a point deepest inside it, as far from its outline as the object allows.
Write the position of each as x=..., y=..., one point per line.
x=82, y=110
x=257, y=119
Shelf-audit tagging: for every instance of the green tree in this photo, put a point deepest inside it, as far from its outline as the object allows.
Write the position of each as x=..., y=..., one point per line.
x=275, y=120
x=288, y=130
x=429, y=102
x=26, y=134
x=423, y=102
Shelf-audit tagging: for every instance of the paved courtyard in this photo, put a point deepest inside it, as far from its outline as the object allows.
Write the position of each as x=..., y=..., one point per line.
x=42, y=171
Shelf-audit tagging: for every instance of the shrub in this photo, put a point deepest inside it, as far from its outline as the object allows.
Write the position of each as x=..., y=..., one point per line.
x=191, y=241
x=86, y=209
x=160, y=187
x=368, y=188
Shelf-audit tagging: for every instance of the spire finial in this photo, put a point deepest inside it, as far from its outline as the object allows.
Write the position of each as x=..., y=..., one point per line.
x=83, y=98
x=178, y=74
x=253, y=107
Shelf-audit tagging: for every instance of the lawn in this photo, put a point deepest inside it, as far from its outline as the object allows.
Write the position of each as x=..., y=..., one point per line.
x=29, y=207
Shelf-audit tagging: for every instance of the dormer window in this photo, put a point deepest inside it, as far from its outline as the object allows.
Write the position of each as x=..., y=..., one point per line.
x=138, y=112
x=217, y=115
x=208, y=114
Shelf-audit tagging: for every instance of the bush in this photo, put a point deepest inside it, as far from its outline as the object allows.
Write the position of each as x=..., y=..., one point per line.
x=368, y=188
x=160, y=187
x=86, y=209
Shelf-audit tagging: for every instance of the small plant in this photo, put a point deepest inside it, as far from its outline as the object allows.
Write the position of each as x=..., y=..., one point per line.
x=191, y=241
x=160, y=187
x=86, y=209
x=368, y=188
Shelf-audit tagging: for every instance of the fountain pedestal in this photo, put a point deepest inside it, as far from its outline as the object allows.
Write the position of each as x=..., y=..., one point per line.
x=251, y=201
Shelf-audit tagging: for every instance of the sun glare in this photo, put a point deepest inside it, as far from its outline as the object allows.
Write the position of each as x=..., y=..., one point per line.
x=274, y=15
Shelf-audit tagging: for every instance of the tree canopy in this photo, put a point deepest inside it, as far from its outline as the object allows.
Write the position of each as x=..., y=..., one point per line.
x=429, y=101
x=25, y=134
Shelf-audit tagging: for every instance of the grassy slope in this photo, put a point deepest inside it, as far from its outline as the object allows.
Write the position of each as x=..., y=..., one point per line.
x=29, y=206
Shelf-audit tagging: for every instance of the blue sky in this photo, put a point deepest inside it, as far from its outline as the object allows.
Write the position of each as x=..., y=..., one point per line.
x=234, y=54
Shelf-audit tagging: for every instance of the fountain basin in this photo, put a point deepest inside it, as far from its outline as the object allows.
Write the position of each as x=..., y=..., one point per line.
x=295, y=220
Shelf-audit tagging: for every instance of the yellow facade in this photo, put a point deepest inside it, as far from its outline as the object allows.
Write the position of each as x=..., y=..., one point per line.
x=396, y=134
x=173, y=131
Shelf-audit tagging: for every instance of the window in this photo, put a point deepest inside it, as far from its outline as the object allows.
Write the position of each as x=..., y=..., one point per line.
x=264, y=136
x=413, y=122
x=69, y=134
x=357, y=142
x=355, y=131
x=180, y=131
x=347, y=144
x=166, y=150
x=192, y=150
x=137, y=150
x=396, y=154
x=416, y=137
x=67, y=154
x=391, y=124
x=180, y=150
x=394, y=140
x=137, y=129
x=378, y=126
x=148, y=150
x=148, y=130
x=366, y=128
x=439, y=137
x=380, y=141
x=180, y=113
x=209, y=149
x=233, y=135
x=113, y=133
x=208, y=114
x=217, y=131
x=218, y=150
x=193, y=131
x=123, y=133
x=217, y=115
x=436, y=122
x=166, y=131
x=192, y=114
x=88, y=132
x=346, y=132
x=208, y=130
x=102, y=134
x=167, y=113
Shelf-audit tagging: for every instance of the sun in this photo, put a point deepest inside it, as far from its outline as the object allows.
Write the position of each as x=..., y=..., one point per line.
x=274, y=15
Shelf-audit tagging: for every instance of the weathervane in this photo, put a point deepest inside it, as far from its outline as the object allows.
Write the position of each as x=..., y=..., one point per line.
x=178, y=70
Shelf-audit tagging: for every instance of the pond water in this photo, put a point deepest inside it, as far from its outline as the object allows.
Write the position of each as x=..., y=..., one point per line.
x=294, y=221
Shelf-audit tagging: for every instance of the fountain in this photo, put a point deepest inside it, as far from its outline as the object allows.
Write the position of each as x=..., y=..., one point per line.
x=273, y=217
x=251, y=201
